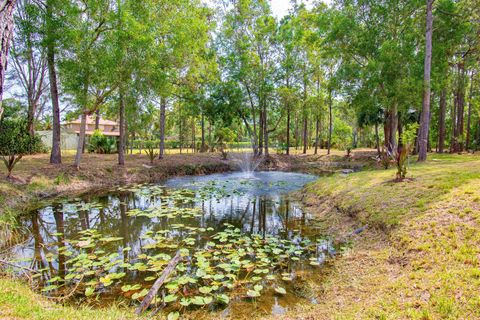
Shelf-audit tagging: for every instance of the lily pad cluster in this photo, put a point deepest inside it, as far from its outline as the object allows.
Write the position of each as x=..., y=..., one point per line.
x=219, y=265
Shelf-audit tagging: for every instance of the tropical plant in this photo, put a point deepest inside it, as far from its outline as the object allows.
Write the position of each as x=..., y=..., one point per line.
x=100, y=143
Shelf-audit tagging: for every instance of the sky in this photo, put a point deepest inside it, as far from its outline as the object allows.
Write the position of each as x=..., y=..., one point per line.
x=280, y=7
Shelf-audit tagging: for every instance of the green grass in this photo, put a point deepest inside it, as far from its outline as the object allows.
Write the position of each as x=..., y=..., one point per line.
x=421, y=257
x=17, y=301
x=382, y=202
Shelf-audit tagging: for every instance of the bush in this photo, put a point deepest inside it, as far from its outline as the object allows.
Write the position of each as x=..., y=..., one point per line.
x=151, y=148
x=223, y=137
x=100, y=143
x=15, y=142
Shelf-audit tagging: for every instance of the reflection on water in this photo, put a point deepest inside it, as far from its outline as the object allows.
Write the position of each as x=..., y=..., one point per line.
x=131, y=227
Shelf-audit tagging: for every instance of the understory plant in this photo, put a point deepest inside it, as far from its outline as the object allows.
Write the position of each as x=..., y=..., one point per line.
x=100, y=143
x=224, y=136
x=15, y=142
x=151, y=149
x=404, y=149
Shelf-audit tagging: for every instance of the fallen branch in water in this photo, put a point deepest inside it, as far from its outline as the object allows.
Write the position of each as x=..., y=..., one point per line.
x=158, y=283
x=17, y=266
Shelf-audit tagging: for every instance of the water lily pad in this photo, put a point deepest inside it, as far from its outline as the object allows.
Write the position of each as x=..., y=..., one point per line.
x=174, y=315
x=253, y=293
x=89, y=291
x=280, y=290
x=140, y=294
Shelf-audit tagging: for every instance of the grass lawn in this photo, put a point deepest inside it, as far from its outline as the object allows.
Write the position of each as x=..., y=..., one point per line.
x=420, y=255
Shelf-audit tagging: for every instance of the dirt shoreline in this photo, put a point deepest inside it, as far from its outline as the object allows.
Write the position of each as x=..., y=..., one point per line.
x=37, y=180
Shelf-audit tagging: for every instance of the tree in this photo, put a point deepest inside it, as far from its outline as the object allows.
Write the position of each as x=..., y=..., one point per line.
x=6, y=30
x=29, y=58
x=83, y=69
x=425, y=116
x=15, y=142
x=52, y=26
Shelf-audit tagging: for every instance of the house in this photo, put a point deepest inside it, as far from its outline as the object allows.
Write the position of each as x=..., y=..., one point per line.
x=107, y=127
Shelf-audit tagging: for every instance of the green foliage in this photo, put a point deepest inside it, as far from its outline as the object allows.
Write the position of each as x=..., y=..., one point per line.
x=223, y=137
x=100, y=143
x=403, y=152
x=151, y=149
x=15, y=142
x=342, y=136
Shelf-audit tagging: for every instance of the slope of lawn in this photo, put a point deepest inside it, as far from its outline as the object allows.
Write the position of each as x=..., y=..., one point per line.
x=420, y=255
x=18, y=301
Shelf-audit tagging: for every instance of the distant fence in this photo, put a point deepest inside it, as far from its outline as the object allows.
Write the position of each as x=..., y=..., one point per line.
x=68, y=140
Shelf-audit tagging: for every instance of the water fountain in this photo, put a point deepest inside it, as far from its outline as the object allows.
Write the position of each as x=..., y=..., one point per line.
x=248, y=163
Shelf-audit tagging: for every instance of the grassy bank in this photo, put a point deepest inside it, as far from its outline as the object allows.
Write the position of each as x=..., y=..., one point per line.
x=18, y=301
x=420, y=255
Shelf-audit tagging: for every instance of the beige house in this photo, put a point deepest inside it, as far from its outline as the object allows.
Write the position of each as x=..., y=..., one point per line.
x=108, y=128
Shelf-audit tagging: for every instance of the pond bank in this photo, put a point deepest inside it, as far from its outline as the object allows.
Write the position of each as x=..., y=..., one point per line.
x=419, y=257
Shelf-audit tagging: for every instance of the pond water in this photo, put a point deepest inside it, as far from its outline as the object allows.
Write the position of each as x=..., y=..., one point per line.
x=246, y=241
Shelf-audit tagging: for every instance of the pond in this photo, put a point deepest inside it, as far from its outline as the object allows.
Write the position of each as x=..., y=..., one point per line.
x=247, y=244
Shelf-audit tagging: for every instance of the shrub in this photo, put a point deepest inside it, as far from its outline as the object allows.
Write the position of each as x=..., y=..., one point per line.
x=99, y=143
x=151, y=148
x=223, y=137
x=15, y=142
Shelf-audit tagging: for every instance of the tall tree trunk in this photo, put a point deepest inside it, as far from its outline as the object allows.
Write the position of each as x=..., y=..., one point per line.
x=6, y=31
x=56, y=154
x=163, y=107
x=121, y=139
x=425, y=118
x=260, y=133
x=193, y=134
x=461, y=108
x=305, y=134
x=265, y=128
x=469, y=113
x=31, y=119
x=454, y=124
x=441, y=119
x=97, y=119
x=296, y=133
x=377, y=138
x=202, y=149
x=288, y=130
x=400, y=131
x=317, y=131
x=81, y=139
x=330, y=122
